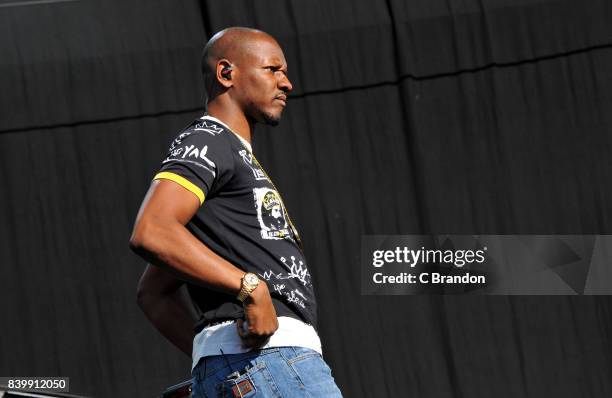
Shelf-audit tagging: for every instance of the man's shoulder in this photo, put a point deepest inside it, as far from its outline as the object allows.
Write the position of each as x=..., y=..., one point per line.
x=202, y=143
x=202, y=131
x=209, y=126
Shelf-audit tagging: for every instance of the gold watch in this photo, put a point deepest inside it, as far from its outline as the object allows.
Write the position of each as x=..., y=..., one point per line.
x=249, y=282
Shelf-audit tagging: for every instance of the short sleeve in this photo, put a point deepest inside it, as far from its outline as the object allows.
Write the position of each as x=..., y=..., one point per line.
x=197, y=160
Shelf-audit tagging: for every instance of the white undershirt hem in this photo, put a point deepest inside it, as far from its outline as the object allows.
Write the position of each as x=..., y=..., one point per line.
x=224, y=337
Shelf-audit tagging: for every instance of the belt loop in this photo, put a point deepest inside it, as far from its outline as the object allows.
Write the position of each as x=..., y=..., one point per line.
x=205, y=366
x=229, y=365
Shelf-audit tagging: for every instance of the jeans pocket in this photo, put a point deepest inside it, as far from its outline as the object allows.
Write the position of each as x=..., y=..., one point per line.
x=303, y=356
x=311, y=369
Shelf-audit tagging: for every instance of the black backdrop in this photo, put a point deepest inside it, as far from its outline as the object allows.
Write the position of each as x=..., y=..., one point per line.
x=422, y=116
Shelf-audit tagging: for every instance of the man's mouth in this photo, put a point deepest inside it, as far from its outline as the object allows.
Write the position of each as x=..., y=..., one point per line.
x=282, y=98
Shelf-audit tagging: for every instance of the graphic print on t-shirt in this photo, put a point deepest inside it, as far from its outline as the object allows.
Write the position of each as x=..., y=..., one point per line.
x=293, y=296
x=210, y=128
x=190, y=154
x=247, y=157
x=271, y=214
x=296, y=269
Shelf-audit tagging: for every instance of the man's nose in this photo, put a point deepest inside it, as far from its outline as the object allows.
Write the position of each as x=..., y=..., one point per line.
x=284, y=84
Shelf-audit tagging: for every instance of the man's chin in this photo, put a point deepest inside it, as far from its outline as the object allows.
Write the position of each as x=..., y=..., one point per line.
x=270, y=119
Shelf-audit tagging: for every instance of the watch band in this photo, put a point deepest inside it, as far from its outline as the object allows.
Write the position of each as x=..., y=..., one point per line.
x=249, y=282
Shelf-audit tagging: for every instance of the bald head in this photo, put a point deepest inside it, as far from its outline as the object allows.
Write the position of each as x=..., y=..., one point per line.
x=232, y=44
x=245, y=73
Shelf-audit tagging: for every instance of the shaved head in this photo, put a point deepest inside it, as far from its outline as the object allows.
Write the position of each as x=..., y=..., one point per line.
x=232, y=44
x=245, y=73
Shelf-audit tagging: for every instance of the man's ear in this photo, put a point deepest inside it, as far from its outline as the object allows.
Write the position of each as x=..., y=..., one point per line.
x=224, y=73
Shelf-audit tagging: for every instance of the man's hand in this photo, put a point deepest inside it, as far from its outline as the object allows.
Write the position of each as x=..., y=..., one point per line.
x=260, y=317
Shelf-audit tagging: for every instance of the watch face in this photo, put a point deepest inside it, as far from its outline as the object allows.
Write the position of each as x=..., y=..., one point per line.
x=251, y=279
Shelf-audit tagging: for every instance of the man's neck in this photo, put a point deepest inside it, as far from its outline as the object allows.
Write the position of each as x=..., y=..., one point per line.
x=234, y=119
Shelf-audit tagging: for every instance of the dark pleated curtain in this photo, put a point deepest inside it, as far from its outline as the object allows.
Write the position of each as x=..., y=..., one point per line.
x=429, y=116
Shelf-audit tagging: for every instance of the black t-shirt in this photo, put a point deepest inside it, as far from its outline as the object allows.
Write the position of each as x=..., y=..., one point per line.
x=242, y=218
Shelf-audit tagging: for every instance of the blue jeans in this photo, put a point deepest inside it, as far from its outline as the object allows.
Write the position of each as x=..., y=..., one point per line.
x=282, y=372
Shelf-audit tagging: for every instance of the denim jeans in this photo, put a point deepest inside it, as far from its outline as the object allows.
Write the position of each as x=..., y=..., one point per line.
x=282, y=372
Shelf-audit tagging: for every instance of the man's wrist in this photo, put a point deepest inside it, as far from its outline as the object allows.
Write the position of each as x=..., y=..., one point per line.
x=248, y=284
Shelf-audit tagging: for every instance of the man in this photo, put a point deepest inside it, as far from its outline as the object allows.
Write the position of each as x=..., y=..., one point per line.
x=212, y=216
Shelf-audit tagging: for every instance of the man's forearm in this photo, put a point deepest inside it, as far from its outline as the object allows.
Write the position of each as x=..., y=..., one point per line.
x=175, y=247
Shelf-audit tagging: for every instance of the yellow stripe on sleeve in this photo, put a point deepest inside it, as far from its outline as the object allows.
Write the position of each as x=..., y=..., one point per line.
x=182, y=181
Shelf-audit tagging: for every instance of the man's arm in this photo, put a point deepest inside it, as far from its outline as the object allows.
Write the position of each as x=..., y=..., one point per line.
x=160, y=237
x=160, y=297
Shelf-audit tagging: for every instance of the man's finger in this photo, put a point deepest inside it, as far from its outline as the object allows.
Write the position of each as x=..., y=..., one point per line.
x=248, y=342
x=254, y=342
x=241, y=332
